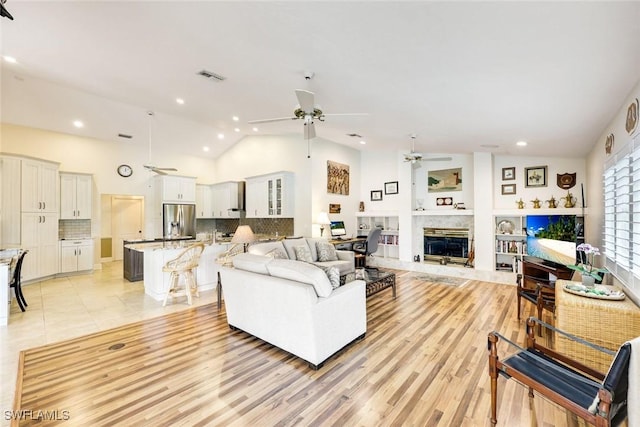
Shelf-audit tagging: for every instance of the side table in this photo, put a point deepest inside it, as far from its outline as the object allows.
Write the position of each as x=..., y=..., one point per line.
x=606, y=323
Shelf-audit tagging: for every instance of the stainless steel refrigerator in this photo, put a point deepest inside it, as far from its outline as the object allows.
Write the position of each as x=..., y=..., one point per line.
x=179, y=220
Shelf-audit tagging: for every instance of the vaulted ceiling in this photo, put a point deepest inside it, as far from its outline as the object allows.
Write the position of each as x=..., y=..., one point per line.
x=464, y=76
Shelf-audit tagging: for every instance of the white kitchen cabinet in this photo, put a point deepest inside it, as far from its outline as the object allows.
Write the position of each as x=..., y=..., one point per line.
x=226, y=199
x=10, y=201
x=39, y=186
x=40, y=238
x=257, y=203
x=75, y=196
x=176, y=189
x=270, y=196
x=76, y=255
x=204, y=201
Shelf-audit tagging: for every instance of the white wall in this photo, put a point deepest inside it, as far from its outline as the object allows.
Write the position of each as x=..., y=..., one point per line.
x=554, y=165
x=258, y=155
x=420, y=175
x=595, y=165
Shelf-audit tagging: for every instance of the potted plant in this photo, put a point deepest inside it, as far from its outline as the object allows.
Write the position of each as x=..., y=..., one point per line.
x=586, y=258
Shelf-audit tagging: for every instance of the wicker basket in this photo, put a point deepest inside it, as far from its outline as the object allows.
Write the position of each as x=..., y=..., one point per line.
x=603, y=322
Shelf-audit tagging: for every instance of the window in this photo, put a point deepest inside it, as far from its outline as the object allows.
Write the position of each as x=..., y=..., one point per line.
x=621, y=240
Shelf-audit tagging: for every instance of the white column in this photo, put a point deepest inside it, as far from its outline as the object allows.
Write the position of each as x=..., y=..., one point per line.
x=483, y=211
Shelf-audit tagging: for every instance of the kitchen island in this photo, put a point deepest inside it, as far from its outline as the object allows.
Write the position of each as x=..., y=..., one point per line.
x=157, y=254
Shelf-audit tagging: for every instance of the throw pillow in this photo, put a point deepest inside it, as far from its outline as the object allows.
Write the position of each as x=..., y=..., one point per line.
x=303, y=253
x=326, y=252
x=277, y=253
x=333, y=274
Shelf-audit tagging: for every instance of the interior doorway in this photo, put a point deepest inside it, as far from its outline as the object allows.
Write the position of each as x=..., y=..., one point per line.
x=123, y=219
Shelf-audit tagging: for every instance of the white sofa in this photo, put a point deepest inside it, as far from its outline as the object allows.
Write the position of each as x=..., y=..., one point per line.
x=344, y=260
x=292, y=305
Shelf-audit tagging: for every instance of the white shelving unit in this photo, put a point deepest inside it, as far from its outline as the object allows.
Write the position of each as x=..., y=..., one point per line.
x=511, y=238
x=388, y=221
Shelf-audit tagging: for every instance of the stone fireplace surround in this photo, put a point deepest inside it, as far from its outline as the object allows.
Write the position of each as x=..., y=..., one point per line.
x=437, y=221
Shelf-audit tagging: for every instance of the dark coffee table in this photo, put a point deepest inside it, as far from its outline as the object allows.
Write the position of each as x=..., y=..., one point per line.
x=378, y=280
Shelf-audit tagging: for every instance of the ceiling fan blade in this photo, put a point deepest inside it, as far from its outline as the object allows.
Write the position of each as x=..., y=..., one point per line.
x=305, y=99
x=346, y=114
x=309, y=130
x=167, y=169
x=436, y=159
x=278, y=119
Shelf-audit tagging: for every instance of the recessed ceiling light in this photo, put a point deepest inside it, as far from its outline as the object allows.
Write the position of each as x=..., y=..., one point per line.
x=205, y=148
x=180, y=101
x=235, y=118
x=363, y=142
x=236, y=129
x=78, y=124
x=255, y=129
x=521, y=143
x=10, y=59
x=221, y=136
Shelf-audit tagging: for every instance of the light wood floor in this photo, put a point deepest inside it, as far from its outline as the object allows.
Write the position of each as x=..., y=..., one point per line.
x=423, y=363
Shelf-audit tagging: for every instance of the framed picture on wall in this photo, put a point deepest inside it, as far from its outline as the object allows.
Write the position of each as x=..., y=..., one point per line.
x=391, y=187
x=376, y=195
x=508, y=174
x=535, y=176
x=508, y=189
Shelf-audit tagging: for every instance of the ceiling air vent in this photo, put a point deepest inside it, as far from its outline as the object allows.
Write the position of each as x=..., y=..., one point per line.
x=211, y=75
x=124, y=135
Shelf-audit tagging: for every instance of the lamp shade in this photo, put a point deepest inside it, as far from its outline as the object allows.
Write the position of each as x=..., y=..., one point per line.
x=243, y=234
x=323, y=218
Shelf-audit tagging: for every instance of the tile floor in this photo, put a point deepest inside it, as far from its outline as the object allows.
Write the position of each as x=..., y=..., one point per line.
x=68, y=307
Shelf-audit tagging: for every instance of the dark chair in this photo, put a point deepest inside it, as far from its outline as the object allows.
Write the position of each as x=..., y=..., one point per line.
x=570, y=384
x=369, y=246
x=542, y=295
x=15, y=282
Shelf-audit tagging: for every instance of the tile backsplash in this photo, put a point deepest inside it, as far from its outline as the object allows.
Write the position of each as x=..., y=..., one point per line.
x=271, y=226
x=74, y=228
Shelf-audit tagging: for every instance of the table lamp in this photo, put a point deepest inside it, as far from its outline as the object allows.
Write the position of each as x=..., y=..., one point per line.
x=323, y=219
x=243, y=235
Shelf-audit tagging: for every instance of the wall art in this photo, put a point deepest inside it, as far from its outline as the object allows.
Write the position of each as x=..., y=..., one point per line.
x=535, y=176
x=440, y=181
x=337, y=178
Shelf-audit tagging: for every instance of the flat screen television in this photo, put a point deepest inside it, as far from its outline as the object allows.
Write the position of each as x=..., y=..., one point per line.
x=552, y=238
x=337, y=229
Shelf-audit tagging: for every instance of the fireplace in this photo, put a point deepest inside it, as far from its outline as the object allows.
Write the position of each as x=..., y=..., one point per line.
x=446, y=245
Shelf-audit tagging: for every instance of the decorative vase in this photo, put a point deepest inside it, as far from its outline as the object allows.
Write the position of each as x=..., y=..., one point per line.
x=361, y=207
x=588, y=281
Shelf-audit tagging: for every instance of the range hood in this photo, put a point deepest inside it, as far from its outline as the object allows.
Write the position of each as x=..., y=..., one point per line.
x=238, y=205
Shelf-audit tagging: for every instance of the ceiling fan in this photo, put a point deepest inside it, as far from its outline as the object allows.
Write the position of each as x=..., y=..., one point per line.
x=153, y=168
x=308, y=111
x=415, y=158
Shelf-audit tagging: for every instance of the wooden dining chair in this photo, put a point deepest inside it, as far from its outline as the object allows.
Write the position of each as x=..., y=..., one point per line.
x=16, y=283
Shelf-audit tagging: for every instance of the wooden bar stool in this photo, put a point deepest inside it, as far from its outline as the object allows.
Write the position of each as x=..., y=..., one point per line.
x=182, y=268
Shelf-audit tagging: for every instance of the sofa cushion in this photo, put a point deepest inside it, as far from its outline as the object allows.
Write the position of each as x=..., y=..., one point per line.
x=301, y=272
x=264, y=248
x=333, y=274
x=303, y=253
x=289, y=244
x=344, y=267
x=277, y=253
x=326, y=252
x=252, y=262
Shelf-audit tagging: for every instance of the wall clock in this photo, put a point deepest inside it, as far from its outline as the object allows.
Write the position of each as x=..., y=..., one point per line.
x=125, y=171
